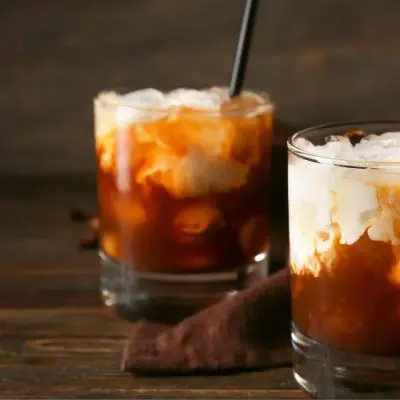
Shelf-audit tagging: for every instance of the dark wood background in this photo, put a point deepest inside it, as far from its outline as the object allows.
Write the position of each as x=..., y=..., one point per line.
x=321, y=60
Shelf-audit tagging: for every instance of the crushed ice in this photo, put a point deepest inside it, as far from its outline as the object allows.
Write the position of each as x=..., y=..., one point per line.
x=150, y=104
x=322, y=196
x=379, y=148
x=197, y=99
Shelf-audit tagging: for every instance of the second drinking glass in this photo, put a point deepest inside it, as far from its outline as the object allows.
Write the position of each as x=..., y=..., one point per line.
x=344, y=217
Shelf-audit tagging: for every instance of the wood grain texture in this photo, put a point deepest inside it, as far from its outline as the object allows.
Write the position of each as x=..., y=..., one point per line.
x=321, y=61
x=56, y=339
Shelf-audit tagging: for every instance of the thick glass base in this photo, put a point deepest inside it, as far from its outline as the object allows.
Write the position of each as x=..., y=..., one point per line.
x=328, y=373
x=169, y=298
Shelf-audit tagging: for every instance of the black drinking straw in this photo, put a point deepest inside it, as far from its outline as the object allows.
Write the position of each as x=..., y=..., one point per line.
x=243, y=47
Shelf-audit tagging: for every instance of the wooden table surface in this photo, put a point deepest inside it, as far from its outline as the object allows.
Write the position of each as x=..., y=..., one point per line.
x=56, y=339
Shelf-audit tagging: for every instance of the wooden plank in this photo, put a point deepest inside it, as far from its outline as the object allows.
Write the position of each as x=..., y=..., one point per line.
x=56, y=339
x=77, y=352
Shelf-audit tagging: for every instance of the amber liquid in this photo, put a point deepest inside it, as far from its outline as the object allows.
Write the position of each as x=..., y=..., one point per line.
x=152, y=225
x=354, y=304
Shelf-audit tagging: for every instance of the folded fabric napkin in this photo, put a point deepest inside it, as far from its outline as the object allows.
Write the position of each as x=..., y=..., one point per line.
x=247, y=331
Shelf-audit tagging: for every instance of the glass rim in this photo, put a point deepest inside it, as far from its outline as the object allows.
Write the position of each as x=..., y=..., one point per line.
x=360, y=164
x=266, y=105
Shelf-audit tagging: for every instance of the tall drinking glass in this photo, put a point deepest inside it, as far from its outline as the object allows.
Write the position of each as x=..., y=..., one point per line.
x=183, y=196
x=344, y=219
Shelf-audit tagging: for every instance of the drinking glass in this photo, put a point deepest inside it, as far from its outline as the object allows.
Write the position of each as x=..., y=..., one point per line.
x=183, y=196
x=344, y=223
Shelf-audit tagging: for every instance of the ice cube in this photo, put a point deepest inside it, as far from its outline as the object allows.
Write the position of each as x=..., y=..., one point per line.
x=208, y=135
x=196, y=219
x=388, y=139
x=221, y=92
x=158, y=167
x=105, y=147
x=384, y=148
x=192, y=175
x=386, y=224
x=104, y=117
x=340, y=148
x=382, y=228
x=143, y=105
x=107, y=160
x=356, y=205
x=196, y=99
x=200, y=175
x=145, y=98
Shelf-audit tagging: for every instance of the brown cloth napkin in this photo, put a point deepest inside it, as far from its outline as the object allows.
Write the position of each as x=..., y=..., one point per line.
x=248, y=331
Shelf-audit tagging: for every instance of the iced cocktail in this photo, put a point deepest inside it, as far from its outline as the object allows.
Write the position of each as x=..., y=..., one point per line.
x=183, y=191
x=344, y=218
